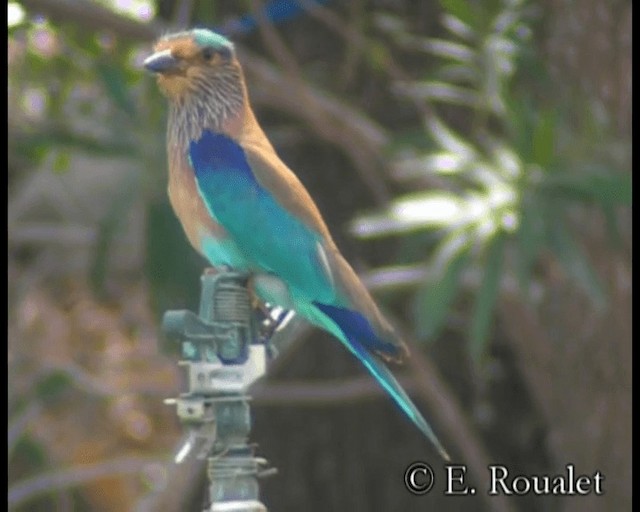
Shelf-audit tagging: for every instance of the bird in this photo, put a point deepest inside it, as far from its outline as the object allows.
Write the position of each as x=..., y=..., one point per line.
x=242, y=208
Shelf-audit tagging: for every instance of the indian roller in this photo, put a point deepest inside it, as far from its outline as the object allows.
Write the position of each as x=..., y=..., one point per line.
x=241, y=207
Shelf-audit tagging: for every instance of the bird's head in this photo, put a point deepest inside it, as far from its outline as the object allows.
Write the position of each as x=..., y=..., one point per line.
x=198, y=63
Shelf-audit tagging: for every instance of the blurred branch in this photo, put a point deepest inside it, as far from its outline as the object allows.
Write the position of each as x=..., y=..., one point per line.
x=540, y=351
x=183, y=482
x=50, y=233
x=276, y=46
x=413, y=275
x=84, y=380
x=19, y=422
x=91, y=16
x=65, y=478
x=334, y=22
x=359, y=137
x=357, y=42
x=182, y=12
x=320, y=114
x=353, y=52
x=325, y=392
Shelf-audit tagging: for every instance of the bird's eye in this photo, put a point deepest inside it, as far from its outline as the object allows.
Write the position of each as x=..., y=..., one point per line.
x=207, y=53
x=225, y=53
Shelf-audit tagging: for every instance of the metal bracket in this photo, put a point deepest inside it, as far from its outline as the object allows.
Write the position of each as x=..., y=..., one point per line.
x=223, y=353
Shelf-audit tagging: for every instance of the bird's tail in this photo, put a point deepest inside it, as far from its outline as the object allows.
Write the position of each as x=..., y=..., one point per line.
x=386, y=379
x=352, y=332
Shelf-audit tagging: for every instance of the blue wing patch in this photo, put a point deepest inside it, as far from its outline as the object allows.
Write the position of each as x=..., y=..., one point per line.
x=267, y=234
x=216, y=153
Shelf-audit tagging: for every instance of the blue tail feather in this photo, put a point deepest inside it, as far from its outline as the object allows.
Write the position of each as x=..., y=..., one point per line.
x=355, y=326
x=361, y=340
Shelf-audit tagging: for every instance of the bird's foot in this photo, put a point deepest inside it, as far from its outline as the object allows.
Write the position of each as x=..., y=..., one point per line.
x=256, y=302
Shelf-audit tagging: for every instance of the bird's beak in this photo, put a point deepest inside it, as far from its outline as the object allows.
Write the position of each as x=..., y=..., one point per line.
x=161, y=62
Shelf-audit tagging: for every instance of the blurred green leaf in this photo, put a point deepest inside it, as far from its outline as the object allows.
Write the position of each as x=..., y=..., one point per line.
x=18, y=28
x=115, y=85
x=529, y=241
x=456, y=242
x=434, y=299
x=576, y=263
x=544, y=139
x=53, y=385
x=508, y=17
x=31, y=450
x=376, y=225
x=440, y=162
x=61, y=162
x=512, y=170
x=605, y=187
x=457, y=27
x=444, y=92
x=486, y=297
x=450, y=140
x=432, y=209
x=613, y=230
x=449, y=50
x=378, y=55
x=391, y=24
x=520, y=125
x=458, y=73
x=507, y=162
x=461, y=9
